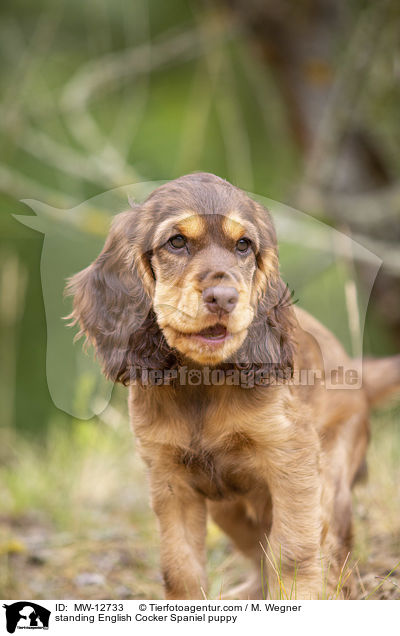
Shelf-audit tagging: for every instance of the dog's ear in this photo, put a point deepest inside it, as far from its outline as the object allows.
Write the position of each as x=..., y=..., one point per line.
x=270, y=344
x=113, y=303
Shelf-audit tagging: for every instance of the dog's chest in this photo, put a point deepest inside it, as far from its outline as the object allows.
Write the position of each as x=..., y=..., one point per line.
x=218, y=472
x=204, y=432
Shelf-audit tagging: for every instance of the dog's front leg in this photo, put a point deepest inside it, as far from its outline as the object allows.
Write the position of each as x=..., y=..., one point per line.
x=293, y=548
x=181, y=513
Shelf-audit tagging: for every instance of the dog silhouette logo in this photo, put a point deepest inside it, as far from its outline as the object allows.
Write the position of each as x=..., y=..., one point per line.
x=26, y=615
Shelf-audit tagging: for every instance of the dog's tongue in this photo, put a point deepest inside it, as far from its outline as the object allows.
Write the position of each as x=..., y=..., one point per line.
x=216, y=331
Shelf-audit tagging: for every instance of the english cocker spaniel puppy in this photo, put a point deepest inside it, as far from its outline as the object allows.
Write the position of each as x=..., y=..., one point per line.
x=185, y=304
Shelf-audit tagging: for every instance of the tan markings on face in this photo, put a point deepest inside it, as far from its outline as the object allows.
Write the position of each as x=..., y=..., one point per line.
x=189, y=223
x=193, y=226
x=233, y=226
x=177, y=302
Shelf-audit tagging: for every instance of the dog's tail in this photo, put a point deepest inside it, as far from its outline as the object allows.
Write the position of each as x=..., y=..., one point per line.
x=381, y=377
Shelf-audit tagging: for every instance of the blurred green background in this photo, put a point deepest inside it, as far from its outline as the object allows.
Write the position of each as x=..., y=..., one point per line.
x=295, y=101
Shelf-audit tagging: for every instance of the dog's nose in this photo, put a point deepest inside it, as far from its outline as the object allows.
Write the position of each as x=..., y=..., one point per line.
x=220, y=298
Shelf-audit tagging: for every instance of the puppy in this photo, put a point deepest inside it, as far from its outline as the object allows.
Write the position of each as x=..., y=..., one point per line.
x=185, y=304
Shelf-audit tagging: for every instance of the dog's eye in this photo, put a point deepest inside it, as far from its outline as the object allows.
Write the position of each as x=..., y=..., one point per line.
x=243, y=245
x=177, y=242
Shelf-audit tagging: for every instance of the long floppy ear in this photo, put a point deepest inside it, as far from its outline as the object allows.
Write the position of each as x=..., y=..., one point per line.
x=270, y=341
x=113, y=304
x=270, y=345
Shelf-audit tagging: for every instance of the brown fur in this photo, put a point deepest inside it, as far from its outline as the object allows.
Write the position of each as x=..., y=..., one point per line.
x=274, y=464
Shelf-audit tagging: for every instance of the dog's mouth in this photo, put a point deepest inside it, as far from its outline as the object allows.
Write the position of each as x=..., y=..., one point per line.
x=216, y=334
x=206, y=345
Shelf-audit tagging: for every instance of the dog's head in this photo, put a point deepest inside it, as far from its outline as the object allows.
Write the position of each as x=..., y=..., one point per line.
x=190, y=273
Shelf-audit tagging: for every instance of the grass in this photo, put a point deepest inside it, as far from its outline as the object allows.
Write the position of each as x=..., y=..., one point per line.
x=75, y=520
